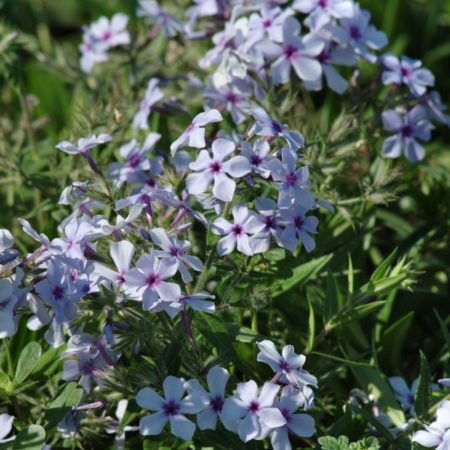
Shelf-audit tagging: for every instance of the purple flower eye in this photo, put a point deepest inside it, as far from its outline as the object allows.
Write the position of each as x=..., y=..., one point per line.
x=256, y=160
x=237, y=230
x=232, y=97
x=174, y=251
x=291, y=52
x=323, y=3
x=134, y=161
x=217, y=403
x=106, y=35
x=215, y=167
x=291, y=179
x=271, y=222
x=267, y=23
x=58, y=292
x=254, y=407
x=285, y=365
x=405, y=72
x=171, y=408
x=87, y=367
x=355, y=32
x=323, y=57
x=152, y=280
x=407, y=131
x=298, y=221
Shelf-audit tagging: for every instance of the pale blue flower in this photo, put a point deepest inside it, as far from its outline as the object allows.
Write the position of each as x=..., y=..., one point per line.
x=152, y=96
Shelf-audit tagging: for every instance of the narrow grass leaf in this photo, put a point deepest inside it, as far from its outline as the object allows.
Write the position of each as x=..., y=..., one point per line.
x=423, y=392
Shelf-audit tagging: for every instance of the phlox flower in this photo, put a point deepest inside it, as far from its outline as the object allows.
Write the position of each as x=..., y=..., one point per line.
x=404, y=394
x=288, y=366
x=153, y=13
x=267, y=209
x=297, y=225
x=169, y=409
x=7, y=254
x=5, y=427
x=321, y=11
x=194, y=136
x=406, y=71
x=110, y=32
x=266, y=126
x=213, y=400
x=435, y=108
x=254, y=412
x=137, y=161
x=289, y=180
x=78, y=233
x=196, y=301
x=413, y=125
x=83, y=146
x=297, y=424
x=258, y=156
x=361, y=36
x=149, y=276
x=296, y=51
x=152, y=96
x=217, y=169
x=437, y=434
x=245, y=223
x=173, y=248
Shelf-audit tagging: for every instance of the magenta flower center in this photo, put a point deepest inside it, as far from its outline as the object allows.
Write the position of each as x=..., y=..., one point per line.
x=286, y=414
x=284, y=365
x=405, y=72
x=407, y=131
x=191, y=127
x=171, y=408
x=291, y=179
x=266, y=23
x=150, y=182
x=87, y=367
x=411, y=399
x=106, y=35
x=217, y=403
x=254, y=407
x=271, y=222
x=153, y=280
x=120, y=279
x=215, y=167
x=174, y=251
x=290, y=51
x=323, y=3
x=298, y=221
x=232, y=97
x=277, y=126
x=237, y=230
x=134, y=161
x=355, y=32
x=256, y=160
x=58, y=292
x=323, y=57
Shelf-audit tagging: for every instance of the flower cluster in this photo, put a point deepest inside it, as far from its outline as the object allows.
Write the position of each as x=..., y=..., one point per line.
x=250, y=412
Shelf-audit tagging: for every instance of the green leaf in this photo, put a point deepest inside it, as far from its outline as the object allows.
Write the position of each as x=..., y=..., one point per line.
x=423, y=392
x=69, y=396
x=392, y=340
x=374, y=422
x=444, y=330
x=331, y=443
x=355, y=314
x=31, y=437
x=302, y=273
x=311, y=327
x=341, y=360
x=382, y=270
x=350, y=277
x=333, y=298
x=243, y=334
x=28, y=359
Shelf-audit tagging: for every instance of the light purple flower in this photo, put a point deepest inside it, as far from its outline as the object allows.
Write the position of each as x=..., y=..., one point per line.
x=194, y=136
x=7, y=254
x=362, y=36
x=169, y=409
x=173, y=248
x=254, y=412
x=213, y=400
x=149, y=276
x=435, y=107
x=111, y=32
x=321, y=11
x=288, y=366
x=296, y=51
x=413, y=126
x=153, y=13
x=152, y=96
x=245, y=223
x=260, y=242
x=296, y=224
x=215, y=169
x=298, y=424
x=290, y=179
x=438, y=433
x=406, y=71
x=195, y=301
x=266, y=126
x=258, y=156
x=5, y=427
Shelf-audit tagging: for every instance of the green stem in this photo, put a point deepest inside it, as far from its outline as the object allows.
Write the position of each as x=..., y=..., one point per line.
x=201, y=281
x=9, y=359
